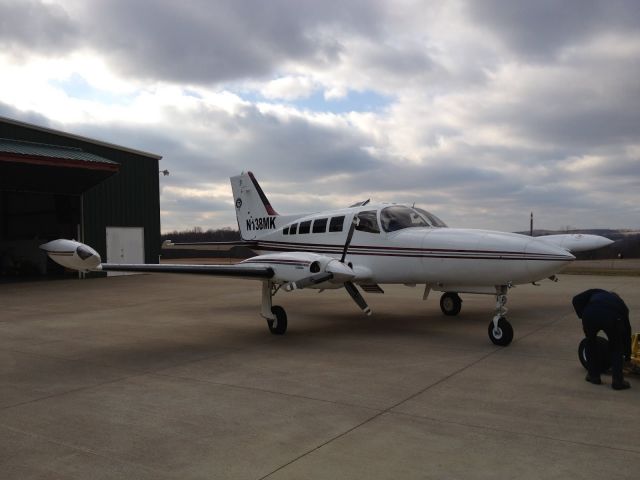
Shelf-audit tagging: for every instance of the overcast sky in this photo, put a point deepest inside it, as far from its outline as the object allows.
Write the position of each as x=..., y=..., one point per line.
x=480, y=110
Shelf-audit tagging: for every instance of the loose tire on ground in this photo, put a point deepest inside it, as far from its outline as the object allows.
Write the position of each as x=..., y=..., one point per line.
x=603, y=352
x=279, y=325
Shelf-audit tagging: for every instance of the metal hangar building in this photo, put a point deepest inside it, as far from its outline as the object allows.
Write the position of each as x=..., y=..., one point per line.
x=55, y=184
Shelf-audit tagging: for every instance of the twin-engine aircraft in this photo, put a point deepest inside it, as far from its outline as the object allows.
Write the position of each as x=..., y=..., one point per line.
x=365, y=245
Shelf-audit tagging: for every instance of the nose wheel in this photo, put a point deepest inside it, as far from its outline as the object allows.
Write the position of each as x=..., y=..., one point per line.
x=502, y=333
x=500, y=330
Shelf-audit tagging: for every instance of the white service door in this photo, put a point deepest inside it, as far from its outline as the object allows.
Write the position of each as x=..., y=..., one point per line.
x=125, y=245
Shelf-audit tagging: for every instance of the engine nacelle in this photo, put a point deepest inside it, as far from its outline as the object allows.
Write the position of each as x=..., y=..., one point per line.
x=292, y=267
x=72, y=254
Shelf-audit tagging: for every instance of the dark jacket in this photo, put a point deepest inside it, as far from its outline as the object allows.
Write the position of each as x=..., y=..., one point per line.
x=610, y=302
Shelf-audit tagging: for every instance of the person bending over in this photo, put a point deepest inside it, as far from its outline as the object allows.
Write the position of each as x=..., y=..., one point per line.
x=602, y=310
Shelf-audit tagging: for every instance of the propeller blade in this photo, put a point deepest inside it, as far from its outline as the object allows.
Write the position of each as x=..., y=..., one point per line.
x=355, y=294
x=311, y=280
x=354, y=223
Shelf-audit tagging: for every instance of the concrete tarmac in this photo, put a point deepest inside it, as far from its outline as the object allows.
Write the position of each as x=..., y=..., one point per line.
x=167, y=376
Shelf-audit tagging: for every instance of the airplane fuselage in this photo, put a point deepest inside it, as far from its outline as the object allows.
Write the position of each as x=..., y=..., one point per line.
x=446, y=258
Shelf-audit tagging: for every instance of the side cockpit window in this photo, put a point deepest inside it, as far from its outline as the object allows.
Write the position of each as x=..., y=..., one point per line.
x=368, y=222
x=285, y=230
x=398, y=217
x=293, y=229
x=435, y=221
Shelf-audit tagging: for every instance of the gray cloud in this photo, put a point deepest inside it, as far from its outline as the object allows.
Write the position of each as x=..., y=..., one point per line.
x=204, y=41
x=479, y=134
x=30, y=25
x=539, y=29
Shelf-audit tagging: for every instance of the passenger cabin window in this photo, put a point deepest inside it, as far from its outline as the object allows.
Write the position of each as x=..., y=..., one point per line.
x=293, y=229
x=305, y=227
x=285, y=231
x=336, y=224
x=398, y=217
x=368, y=222
x=320, y=225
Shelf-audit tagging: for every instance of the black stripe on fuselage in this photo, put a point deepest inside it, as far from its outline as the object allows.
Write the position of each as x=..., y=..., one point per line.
x=407, y=252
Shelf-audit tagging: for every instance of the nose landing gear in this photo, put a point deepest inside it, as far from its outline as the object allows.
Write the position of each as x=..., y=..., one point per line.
x=500, y=330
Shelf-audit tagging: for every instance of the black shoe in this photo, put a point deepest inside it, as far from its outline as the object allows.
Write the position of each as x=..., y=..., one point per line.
x=621, y=385
x=594, y=380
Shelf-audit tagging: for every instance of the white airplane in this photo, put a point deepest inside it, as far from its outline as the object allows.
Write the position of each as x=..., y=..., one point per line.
x=365, y=245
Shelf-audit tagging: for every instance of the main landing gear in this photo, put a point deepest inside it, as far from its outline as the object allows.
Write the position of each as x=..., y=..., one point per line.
x=500, y=330
x=450, y=303
x=274, y=314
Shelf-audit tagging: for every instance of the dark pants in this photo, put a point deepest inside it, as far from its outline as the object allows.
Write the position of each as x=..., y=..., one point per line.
x=594, y=319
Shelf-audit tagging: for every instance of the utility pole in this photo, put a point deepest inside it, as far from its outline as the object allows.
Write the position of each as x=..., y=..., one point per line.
x=531, y=225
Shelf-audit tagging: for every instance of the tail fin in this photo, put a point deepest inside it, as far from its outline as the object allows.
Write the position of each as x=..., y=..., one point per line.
x=254, y=213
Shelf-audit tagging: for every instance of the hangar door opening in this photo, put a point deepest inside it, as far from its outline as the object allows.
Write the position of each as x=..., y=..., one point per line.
x=125, y=245
x=29, y=219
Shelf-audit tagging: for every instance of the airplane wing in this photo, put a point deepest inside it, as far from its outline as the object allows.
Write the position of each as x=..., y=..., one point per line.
x=214, y=246
x=293, y=270
x=235, y=270
x=576, y=242
x=81, y=257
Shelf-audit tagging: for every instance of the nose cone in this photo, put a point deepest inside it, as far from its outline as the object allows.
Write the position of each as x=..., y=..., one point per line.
x=545, y=259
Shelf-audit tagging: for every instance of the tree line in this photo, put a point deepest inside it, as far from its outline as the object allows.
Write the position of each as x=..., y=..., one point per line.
x=198, y=234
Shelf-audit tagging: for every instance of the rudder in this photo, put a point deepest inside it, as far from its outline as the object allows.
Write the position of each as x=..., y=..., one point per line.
x=254, y=212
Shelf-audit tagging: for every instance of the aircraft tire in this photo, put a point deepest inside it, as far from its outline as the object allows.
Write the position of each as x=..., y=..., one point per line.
x=450, y=303
x=279, y=325
x=504, y=333
x=603, y=352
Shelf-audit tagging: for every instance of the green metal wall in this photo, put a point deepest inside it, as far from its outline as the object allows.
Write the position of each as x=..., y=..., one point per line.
x=130, y=198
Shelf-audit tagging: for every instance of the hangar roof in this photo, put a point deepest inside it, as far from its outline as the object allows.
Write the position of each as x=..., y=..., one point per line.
x=60, y=133
x=55, y=152
x=37, y=167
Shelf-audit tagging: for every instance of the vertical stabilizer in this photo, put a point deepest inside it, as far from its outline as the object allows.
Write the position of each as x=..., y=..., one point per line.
x=254, y=212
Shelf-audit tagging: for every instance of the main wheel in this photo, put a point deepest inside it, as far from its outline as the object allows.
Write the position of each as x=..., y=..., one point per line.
x=450, y=303
x=604, y=353
x=279, y=325
x=503, y=334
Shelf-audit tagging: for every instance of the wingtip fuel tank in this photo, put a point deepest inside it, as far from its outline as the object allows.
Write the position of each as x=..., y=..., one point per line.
x=72, y=254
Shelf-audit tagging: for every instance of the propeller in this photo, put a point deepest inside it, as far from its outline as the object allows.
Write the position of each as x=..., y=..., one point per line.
x=354, y=223
x=355, y=294
x=348, y=285
x=337, y=269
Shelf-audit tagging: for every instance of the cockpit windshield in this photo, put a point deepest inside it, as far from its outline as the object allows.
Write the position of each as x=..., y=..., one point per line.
x=435, y=221
x=398, y=217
